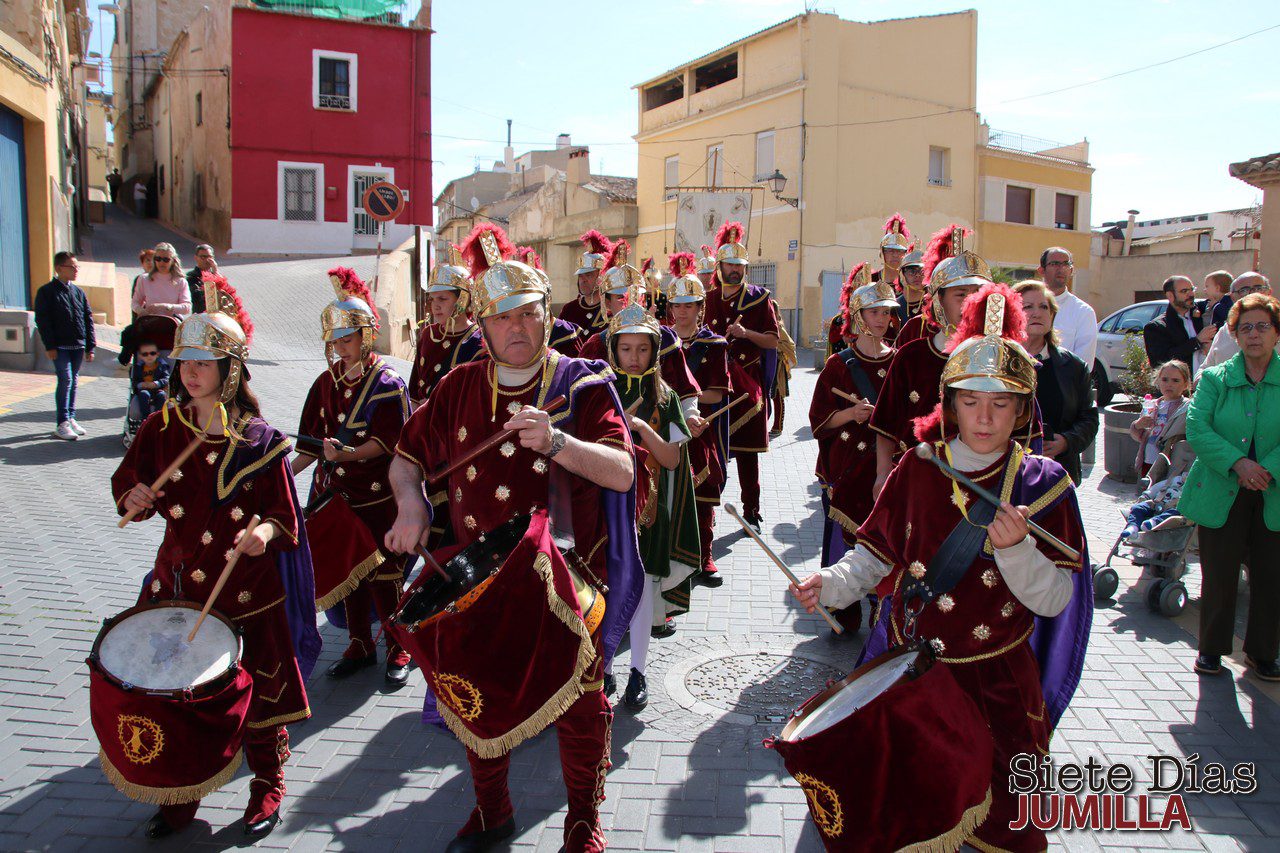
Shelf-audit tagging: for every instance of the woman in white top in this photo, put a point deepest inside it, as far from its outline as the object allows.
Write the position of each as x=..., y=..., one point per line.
x=164, y=291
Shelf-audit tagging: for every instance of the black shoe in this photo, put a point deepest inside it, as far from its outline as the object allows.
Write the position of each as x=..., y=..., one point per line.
x=775, y=433
x=476, y=842
x=637, y=695
x=1208, y=664
x=397, y=675
x=709, y=579
x=665, y=630
x=264, y=826
x=610, y=684
x=350, y=666
x=753, y=520
x=158, y=827
x=1266, y=670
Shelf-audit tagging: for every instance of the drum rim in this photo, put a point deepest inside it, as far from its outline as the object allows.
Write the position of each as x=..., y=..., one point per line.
x=924, y=664
x=211, y=686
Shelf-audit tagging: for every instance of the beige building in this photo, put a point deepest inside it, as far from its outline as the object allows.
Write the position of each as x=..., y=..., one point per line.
x=1264, y=173
x=858, y=133
x=101, y=151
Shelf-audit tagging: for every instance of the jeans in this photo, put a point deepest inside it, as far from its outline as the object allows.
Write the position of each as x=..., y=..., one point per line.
x=67, y=365
x=145, y=402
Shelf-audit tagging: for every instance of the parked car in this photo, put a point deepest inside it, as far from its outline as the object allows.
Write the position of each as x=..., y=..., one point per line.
x=1108, y=364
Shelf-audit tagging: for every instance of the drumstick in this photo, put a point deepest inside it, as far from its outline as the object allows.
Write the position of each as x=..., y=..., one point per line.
x=486, y=445
x=226, y=573
x=634, y=407
x=168, y=472
x=791, y=576
x=924, y=451
x=846, y=395
x=718, y=412
x=431, y=561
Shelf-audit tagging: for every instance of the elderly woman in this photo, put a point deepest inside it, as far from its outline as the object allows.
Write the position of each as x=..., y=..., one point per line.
x=1063, y=389
x=1231, y=492
x=164, y=291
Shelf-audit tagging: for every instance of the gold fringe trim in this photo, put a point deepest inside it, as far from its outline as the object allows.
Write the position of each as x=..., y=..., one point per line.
x=169, y=796
x=843, y=520
x=950, y=841
x=348, y=586
x=282, y=719
x=556, y=705
x=755, y=410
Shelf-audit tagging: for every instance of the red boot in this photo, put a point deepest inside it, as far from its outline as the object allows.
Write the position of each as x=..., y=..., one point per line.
x=266, y=751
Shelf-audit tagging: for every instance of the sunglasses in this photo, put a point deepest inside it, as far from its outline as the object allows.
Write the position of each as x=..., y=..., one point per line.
x=148, y=353
x=158, y=259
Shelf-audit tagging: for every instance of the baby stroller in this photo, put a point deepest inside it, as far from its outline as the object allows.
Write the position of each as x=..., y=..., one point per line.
x=1159, y=544
x=159, y=330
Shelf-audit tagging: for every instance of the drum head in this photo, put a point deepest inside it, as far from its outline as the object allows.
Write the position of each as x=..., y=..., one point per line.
x=852, y=696
x=149, y=648
x=468, y=569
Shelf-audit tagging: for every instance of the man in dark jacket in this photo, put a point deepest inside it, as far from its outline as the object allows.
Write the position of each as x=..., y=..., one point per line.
x=205, y=262
x=65, y=324
x=1182, y=332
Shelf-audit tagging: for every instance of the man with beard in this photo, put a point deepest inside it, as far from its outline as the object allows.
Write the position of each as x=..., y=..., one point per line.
x=1181, y=333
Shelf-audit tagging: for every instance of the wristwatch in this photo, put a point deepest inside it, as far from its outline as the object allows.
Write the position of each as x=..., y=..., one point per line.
x=558, y=439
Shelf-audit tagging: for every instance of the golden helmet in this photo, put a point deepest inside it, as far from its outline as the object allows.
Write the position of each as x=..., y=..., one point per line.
x=498, y=284
x=987, y=356
x=596, y=257
x=449, y=273
x=706, y=263
x=914, y=258
x=633, y=318
x=222, y=330
x=652, y=279
x=948, y=263
x=729, y=246
x=896, y=235
x=878, y=294
x=685, y=286
x=619, y=276
x=351, y=311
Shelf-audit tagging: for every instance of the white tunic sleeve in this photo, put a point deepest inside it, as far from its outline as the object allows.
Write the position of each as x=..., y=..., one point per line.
x=1044, y=588
x=850, y=579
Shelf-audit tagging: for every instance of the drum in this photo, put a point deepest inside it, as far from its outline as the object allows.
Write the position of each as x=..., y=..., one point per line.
x=893, y=755
x=169, y=715
x=343, y=551
x=504, y=643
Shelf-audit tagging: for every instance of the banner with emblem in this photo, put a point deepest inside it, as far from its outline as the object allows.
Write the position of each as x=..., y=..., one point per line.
x=699, y=216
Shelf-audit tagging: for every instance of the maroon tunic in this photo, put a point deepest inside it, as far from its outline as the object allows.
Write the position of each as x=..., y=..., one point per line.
x=846, y=454
x=917, y=326
x=438, y=353
x=749, y=427
x=205, y=505
x=910, y=391
x=674, y=370
x=590, y=318
x=707, y=355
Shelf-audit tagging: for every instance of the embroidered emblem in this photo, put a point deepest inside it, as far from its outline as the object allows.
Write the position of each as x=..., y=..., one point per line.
x=960, y=499
x=140, y=737
x=540, y=465
x=175, y=476
x=422, y=383
x=248, y=486
x=462, y=433
x=437, y=368
x=502, y=493
x=470, y=522
x=471, y=473
x=916, y=569
x=198, y=576
x=226, y=555
x=862, y=445
x=989, y=578
x=155, y=587
x=908, y=530
x=914, y=397
x=946, y=603
x=376, y=487
x=824, y=805
x=362, y=433
x=1007, y=610
x=244, y=597
x=342, y=417
x=882, y=373
x=236, y=513
x=507, y=449
x=513, y=407
x=347, y=394
x=206, y=538
x=938, y=646
x=981, y=632
x=340, y=471
x=447, y=344
x=458, y=695
x=211, y=458
x=176, y=511
x=457, y=495
x=844, y=436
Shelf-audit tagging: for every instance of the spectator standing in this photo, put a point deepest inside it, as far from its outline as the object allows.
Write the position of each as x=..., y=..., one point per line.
x=140, y=198
x=1181, y=334
x=1076, y=322
x=1231, y=491
x=165, y=291
x=1224, y=343
x=113, y=184
x=205, y=262
x=66, y=328
x=1217, y=286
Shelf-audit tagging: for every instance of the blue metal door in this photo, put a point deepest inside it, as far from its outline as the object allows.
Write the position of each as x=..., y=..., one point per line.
x=832, y=282
x=14, y=260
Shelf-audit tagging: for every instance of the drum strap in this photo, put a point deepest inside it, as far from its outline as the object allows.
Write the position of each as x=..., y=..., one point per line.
x=859, y=376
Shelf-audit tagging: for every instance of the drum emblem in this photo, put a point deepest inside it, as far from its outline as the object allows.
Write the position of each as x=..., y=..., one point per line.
x=140, y=737
x=459, y=695
x=824, y=805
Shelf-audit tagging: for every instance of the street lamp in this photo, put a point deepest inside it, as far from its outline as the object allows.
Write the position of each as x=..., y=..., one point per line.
x=777, y=183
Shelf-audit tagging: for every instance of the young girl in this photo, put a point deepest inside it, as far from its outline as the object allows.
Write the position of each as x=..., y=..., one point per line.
x=668, y=529
x=240, y=470
x=1164, y=419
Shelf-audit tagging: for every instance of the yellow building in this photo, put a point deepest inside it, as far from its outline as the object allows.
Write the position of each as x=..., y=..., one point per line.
x=858, y=131
x=101, y=151
x=1033, y=194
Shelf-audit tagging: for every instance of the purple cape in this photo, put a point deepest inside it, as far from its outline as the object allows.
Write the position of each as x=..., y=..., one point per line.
x=1059, y=642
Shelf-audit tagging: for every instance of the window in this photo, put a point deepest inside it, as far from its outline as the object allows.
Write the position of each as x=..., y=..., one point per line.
x=162, y=178
x=1133, y=319
x=764, y=275
x=670, y=176
x=715, y=72
x=1064, y=211
x=764, y=155
x=199, y=108
x=715, y=165
x=333, y=80
x=1203, y=243
x=300, y=192
x=939, y=166
x=664, y=93
x=199, y=191
x=1017, y=204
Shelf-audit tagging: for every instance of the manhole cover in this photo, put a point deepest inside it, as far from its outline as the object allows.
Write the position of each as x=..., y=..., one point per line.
x=763, y=685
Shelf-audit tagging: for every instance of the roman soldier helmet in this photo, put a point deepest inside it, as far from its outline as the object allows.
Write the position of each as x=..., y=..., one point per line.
x=222, y=330
x=596, y=257
x=685, y=285
x=861, y=292
x=729, y=246
x=706, y=264
x=896, y=235
x=619, y=276
x=450, y=275
x=652, y=280
x=499, y=284
x=527, y=256
x=351, y=310
x=914, y=258
x=947, y=263
x=634, y=319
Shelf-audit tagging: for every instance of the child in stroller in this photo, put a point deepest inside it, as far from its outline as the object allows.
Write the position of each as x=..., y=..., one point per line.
x=149, y=373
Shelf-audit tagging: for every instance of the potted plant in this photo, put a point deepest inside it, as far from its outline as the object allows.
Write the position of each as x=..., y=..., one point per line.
x=1120, y=450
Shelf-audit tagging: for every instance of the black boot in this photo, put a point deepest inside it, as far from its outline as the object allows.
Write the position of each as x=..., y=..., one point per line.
x=158, y=827
x=350, y=666
x=1208, y=664
x=1267, y=670
x=485, y=839
x=610, y=684
x=637, y=695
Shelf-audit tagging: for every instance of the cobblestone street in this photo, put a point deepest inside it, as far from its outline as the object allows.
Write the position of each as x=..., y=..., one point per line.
x=689, y=771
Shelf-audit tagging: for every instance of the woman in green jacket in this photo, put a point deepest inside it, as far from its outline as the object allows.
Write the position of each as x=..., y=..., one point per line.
x=1231, y=490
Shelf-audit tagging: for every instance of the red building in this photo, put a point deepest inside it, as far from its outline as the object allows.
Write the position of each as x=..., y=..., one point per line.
x=320, y=109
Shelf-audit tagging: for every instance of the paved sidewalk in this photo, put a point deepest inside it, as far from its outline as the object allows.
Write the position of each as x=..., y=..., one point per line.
x=689, y=771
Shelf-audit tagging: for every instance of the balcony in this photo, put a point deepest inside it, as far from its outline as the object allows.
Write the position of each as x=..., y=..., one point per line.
x=1076, y=153
x=393, y=12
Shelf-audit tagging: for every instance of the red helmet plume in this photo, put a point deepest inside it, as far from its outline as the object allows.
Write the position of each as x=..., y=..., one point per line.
x=646, y=265
x=973, y=320
x=707, y=250
x=940, y=248
x=241, y=315
x=846, y=293
x=473, y=252
x=596, y=242
x=730, y=232
x=618, y=254
x=929, y=427
x=527, y=256
x=902, y=226
x=674, y=262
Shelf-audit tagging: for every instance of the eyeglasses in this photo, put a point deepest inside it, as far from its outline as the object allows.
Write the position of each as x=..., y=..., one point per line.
x=1058, y=264
x=1263, y=327
x=1245, y=290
